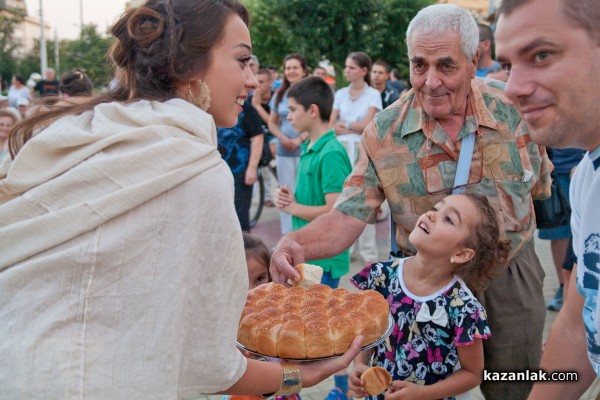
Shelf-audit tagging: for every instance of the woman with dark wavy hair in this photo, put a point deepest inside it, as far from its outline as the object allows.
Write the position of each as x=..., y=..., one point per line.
x=122, y=268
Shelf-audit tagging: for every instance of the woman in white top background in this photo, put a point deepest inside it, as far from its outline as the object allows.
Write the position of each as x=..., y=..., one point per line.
x=353, y=108
x=288, y=147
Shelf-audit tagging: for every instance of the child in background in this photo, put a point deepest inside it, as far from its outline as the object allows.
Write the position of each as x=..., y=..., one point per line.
x=323, y=167
x=258, y=259
x=435, y=350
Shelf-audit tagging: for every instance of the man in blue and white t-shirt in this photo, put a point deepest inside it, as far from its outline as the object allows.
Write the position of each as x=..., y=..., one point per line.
x=552, y=49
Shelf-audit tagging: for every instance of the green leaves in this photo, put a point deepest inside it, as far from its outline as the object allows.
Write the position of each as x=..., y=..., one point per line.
x=331, y=29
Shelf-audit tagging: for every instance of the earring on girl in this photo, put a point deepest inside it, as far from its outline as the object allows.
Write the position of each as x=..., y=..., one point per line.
x=203, y=99
x=452, y=260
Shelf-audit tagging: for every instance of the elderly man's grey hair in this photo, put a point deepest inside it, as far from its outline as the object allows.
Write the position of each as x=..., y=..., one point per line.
x=253, y=57
x=441, y=19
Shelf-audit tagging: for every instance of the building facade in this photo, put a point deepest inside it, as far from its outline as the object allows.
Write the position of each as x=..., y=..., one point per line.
x=28, y=31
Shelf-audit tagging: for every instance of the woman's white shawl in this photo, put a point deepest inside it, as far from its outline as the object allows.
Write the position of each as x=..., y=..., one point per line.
x=122, y=270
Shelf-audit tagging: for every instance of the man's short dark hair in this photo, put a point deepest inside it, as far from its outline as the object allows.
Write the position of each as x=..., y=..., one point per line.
x=383, y=64
x=265, y=71
x=485, y=33
x=313, y=90
x=583, y=14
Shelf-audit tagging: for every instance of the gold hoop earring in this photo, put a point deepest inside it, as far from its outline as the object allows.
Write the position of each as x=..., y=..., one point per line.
x=203, y=100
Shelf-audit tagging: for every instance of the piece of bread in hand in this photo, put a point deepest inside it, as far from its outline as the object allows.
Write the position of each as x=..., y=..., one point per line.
x=376, y=380
x=309, y=275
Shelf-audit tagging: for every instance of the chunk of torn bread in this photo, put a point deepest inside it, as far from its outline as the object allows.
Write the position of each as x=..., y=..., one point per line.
x=309, y=275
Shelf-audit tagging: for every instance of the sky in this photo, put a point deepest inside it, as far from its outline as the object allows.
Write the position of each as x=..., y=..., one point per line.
x=65, y=17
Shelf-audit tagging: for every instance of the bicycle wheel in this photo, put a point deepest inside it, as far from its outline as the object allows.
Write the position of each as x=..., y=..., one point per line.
x=258, y=200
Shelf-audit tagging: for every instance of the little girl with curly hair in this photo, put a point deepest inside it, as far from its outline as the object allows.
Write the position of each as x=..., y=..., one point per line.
x=435, y=349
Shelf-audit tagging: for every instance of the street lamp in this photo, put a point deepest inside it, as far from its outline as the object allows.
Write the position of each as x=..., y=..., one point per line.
x=43, y=55
x=81, y=18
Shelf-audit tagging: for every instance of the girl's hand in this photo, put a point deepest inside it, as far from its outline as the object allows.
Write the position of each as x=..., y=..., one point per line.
x=355, y=381
x=402, y=390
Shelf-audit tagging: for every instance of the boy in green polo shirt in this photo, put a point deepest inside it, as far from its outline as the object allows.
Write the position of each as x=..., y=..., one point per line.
x=323, y=167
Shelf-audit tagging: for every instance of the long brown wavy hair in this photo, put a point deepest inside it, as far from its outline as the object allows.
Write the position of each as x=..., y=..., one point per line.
x=156, y=46
x=491, y=247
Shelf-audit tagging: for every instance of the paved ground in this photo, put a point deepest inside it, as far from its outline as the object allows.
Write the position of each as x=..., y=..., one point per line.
x=268, y=230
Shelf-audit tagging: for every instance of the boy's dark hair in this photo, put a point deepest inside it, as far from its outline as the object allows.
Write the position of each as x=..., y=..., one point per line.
x=485, y=33
x=383, y=64
x=313, y=90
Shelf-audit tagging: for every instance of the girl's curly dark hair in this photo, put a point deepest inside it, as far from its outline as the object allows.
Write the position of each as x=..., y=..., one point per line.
x=491, y=248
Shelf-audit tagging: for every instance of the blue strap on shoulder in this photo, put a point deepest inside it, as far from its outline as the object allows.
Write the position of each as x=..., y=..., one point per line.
x=461, y=178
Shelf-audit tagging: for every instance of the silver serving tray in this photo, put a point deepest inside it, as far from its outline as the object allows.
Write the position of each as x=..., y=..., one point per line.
x=376, y=343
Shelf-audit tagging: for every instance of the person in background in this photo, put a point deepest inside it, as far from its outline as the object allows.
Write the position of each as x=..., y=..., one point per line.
x=396, y=81
x=551, y=49
x=261, y=99
x=254, y=64
x=486, y=63
x=23, y=107
x=75, y=87
x=241, y=147
x=320, y=72
x=258, y=259
x=8, y=119
x=565, y=161
x=48, y=86
x=353, y=109
x=289, y=140
x=17, y=90
x=380, y=75
x=323, y=167
x=409, y=156
x=277, y=81
x=123, y=272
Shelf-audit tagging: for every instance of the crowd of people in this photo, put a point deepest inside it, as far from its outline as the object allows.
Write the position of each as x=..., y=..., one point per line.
x=26, y=98
x=126, y=252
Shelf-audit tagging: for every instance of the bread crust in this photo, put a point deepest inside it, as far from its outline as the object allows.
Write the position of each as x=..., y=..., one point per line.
x=375, y=380
x=308, y=323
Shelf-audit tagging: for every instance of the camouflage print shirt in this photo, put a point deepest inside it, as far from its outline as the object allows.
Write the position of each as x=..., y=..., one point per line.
x=407, y=158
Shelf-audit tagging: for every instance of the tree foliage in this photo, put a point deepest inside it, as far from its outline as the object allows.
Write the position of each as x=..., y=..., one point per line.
x=332, y=29
x=88, y=52
x=8, y=63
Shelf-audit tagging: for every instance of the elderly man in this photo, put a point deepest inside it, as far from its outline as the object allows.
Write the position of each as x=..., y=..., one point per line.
x=552, y=50
x=409, y=156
